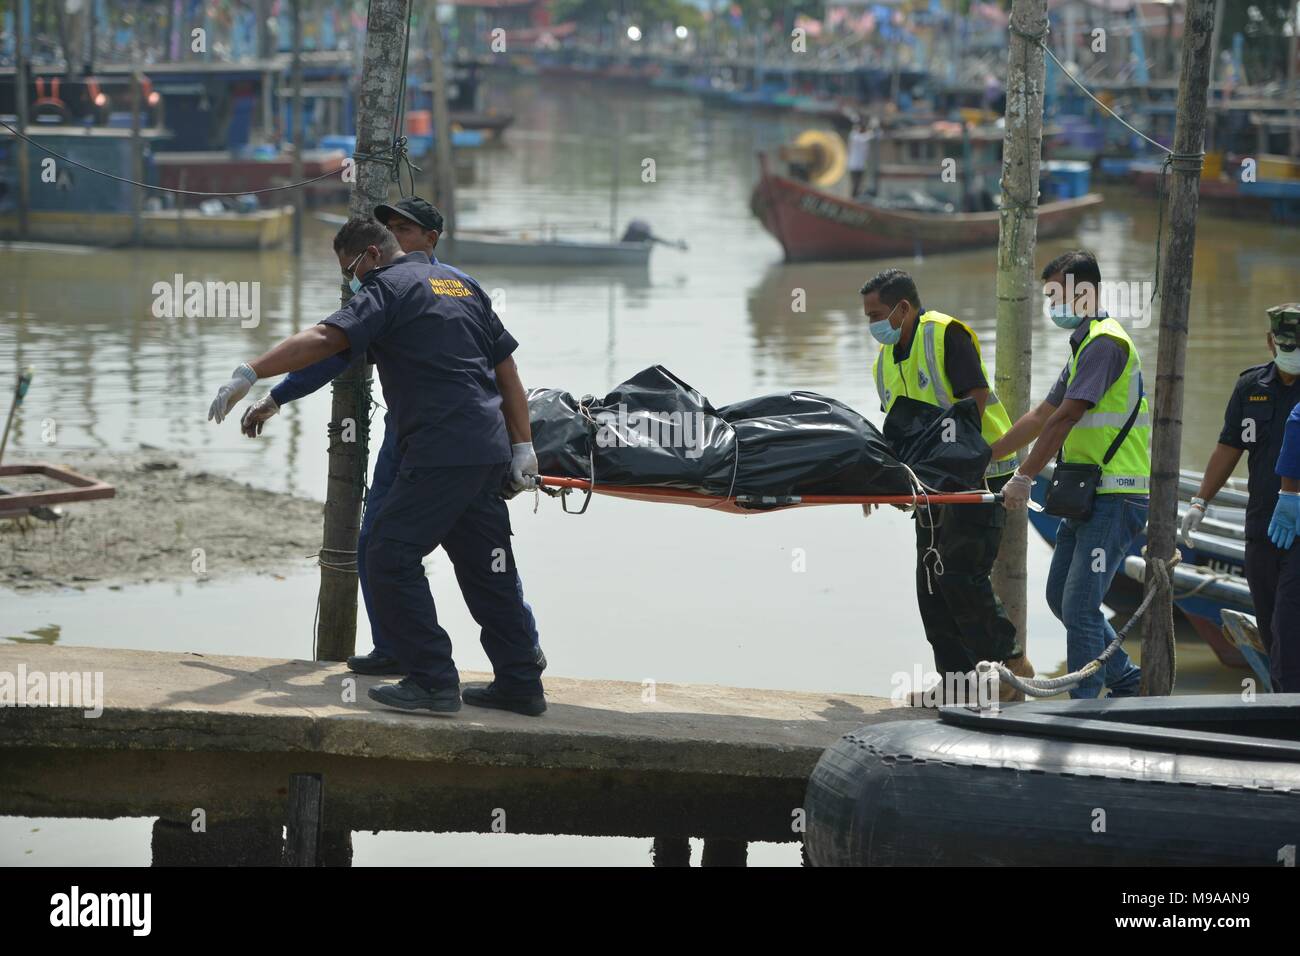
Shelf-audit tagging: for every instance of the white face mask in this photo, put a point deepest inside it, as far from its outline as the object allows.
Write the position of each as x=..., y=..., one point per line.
x=1288, y=362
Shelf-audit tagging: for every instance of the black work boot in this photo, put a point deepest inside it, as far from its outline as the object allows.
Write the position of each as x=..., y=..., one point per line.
x=375, y=664
x=406, y=694
x=531, y=705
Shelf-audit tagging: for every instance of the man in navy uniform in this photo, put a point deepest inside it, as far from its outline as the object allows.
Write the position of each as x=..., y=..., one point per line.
x=462, y=432
x=417, y=225
x=1255, y=421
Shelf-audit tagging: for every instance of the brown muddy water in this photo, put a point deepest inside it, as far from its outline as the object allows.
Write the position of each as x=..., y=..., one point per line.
x=628, y=591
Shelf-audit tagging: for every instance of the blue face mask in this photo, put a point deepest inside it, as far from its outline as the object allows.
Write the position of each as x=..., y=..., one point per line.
x=1063, y=316
x=354, y=283
x=883, y=332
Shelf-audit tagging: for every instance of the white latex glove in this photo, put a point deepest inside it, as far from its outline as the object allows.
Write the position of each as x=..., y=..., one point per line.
x=256, y=415
x=1192, y=520
x=1015, y=493
x=523, y=466
x=228, y=395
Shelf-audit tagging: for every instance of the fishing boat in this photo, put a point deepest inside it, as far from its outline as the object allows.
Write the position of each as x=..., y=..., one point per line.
x=84, y=208
x=1184, y=781
x=814, y=225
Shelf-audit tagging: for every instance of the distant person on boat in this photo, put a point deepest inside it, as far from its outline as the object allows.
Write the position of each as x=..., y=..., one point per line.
x=1255, y=422
x=934, y=358
x=861, y=139
x=417, y=225
x=1095, y=415
x=1282, y=530
x=457, y=404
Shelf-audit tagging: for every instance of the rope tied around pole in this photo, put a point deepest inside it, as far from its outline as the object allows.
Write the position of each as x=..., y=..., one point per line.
x=1187, y=163
x=1050, y=686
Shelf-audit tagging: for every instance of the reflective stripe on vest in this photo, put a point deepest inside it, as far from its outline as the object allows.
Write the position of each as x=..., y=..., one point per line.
x=933, y=385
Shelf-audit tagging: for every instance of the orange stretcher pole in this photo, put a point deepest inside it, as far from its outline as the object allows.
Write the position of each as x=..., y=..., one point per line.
x=750, y=504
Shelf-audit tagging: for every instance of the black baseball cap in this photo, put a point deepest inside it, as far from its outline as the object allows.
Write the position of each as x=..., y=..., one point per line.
x=420, y=211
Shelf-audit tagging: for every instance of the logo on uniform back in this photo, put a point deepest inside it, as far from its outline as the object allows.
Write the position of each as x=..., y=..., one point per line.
x=452, y=287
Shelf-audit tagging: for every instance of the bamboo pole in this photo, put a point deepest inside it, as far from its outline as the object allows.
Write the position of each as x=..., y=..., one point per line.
x=379, y=91
x=137, y=149
x=299, y=139
x=1017, y=291
x=1175, y=294
x=444, y=171
x=20, y=100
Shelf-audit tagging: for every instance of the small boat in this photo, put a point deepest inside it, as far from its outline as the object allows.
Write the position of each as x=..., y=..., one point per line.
x=813, y=225
x=1205, y=596
x=481, y=248
x=1242, y=630
x=1150, y=781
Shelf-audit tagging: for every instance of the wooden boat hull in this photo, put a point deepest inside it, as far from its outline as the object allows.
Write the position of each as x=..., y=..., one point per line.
x=1186, y=781
x=812, y=225
x=264, y=229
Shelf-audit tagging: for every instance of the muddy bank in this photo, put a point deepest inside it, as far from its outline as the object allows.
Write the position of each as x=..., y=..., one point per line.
x=165, y=523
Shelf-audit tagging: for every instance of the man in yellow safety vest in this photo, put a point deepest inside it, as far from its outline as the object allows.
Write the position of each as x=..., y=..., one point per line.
x=1096, y=414
x=934, y=358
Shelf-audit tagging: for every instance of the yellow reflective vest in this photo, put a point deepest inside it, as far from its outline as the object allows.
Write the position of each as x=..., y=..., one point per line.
x=924, y=377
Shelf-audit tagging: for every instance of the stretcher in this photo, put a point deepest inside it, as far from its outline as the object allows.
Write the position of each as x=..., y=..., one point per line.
x=557, y=486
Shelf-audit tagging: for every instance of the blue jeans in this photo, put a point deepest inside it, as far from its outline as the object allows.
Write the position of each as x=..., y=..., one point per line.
x=1087, y=556
x=385, y=474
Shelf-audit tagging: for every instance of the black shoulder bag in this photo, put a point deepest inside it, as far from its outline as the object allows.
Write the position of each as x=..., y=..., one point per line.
x=1074, y=486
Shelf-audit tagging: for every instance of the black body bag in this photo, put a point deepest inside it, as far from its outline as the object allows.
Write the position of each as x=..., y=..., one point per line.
x=1074, y=486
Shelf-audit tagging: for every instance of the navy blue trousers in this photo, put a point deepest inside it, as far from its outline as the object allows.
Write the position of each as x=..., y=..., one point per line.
x=385, y=474
x=459, y=509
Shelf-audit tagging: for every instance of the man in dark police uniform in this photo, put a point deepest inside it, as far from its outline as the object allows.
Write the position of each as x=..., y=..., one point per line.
x=1254, y=421
x=463, y=437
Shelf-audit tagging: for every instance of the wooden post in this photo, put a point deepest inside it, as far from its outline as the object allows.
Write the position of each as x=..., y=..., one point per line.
x=306, y=820
x=137, y=150
x=670, y=851
x=1175, y=294
x=20, y=100
x=299, y=140
x=379, y=90
x=1017, y=287
x=724, y=853
x=444, y=172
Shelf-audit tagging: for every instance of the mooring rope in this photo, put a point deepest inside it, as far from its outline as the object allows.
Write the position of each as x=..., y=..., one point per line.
x=1049, y=686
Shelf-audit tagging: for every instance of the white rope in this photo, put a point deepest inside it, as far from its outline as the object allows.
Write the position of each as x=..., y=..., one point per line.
x=1050, y=686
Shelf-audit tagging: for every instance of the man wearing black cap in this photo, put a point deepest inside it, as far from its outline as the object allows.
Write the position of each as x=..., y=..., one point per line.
x=455, y=405
x=1255, y=421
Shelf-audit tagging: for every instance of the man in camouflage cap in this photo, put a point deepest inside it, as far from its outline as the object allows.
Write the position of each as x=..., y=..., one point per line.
x=1256, y=421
